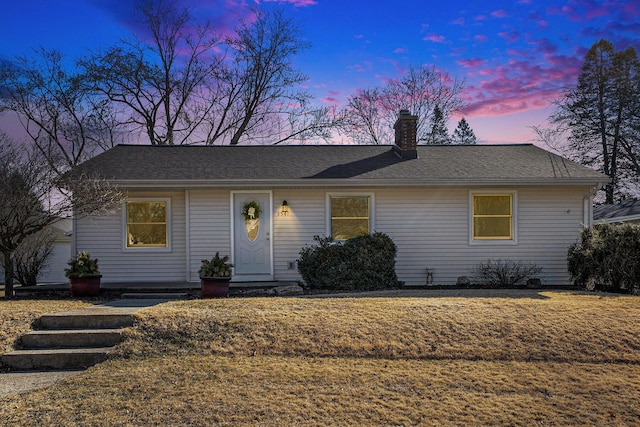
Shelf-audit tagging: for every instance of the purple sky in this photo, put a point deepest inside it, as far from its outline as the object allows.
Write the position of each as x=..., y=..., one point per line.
x=516, y=56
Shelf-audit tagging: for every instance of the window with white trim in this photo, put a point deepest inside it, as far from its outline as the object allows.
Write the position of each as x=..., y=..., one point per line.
x=350, y=215
x=492, y=217
x=147, y=223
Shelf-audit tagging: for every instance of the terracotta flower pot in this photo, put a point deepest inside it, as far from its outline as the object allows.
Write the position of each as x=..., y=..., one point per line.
x=214, y=287
x=85, y=286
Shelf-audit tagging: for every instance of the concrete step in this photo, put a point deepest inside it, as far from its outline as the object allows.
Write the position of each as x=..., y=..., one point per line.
x=77, y=358
x=71, y=338
x=91, y=319
x=155, y=295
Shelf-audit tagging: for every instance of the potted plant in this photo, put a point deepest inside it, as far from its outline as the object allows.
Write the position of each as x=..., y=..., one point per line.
x=215, y=275
x=84, y=276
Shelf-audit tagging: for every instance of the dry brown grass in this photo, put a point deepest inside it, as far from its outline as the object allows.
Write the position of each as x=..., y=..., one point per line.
x=16, y=316
x=561, y=359
x=558, y=327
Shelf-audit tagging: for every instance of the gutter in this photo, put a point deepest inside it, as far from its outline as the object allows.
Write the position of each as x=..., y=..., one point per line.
x=344, y=183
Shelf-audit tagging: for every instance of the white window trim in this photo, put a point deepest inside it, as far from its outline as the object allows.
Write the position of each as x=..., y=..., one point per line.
x=514, y=218
x=167, y=200
x=372, y=210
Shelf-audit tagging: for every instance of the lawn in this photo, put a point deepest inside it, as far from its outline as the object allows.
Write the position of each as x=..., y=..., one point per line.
x=554, y=359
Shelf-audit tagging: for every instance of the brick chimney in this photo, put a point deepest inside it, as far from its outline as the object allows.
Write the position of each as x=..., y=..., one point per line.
x=406, y=128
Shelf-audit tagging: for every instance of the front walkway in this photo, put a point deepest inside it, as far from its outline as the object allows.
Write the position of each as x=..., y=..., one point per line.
x=19, y=382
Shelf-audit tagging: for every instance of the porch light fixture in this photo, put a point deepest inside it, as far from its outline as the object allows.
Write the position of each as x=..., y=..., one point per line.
x=285, y=207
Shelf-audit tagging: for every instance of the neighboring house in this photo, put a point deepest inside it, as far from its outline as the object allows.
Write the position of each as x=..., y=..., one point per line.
x=628, y=212
x=60, y=254
x=447, y=208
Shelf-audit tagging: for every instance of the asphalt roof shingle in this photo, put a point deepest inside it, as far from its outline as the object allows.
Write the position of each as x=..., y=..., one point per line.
x=304, y=163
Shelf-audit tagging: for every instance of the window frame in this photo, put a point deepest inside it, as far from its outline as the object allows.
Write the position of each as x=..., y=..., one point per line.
x=125, y=246
x=329, y=216
x=514, y=218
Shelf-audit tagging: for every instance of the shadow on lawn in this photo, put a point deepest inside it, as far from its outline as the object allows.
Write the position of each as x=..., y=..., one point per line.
x=458, y=293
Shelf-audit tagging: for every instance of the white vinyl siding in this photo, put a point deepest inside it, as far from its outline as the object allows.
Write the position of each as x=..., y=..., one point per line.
x=209, y=227
x=430, y=227
x=103, y=237
x=306, y=218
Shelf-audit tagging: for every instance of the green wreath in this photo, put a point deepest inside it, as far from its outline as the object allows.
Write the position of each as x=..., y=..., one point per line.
x=251, y=210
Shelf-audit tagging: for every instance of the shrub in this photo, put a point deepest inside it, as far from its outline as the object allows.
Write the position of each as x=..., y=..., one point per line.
x=606, y=257
x=362, y=263
x=32, y=256
x=504, y=274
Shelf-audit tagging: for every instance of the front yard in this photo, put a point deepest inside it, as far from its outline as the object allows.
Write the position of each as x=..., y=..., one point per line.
x=555, y=358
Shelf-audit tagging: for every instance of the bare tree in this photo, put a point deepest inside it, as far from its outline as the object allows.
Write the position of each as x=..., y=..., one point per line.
x=161, y=82
x=64, y=119
x=184, y=84
x=371, y=113
x=597, y=122
x=34, y=196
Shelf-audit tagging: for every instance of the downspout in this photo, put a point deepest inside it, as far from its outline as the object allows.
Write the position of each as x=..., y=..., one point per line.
x=587, y=214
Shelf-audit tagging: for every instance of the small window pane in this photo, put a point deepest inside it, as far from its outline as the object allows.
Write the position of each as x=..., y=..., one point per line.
x=492, y=205
x=146, y=224
x=492, y=217
x=492, y=227
x=350, y=216
x=344, y=229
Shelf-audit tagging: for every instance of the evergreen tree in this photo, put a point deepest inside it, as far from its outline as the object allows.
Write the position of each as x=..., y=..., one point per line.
x=438, y=134
x=463, y=134
x=601, y=117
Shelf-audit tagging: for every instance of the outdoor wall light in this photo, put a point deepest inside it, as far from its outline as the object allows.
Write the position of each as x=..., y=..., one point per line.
x=285, y=207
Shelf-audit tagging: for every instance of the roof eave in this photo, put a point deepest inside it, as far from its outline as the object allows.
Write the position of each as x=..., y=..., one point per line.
x=341, y=182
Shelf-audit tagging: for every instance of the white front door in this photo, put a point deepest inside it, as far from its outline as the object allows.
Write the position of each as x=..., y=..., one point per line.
x=252, y=249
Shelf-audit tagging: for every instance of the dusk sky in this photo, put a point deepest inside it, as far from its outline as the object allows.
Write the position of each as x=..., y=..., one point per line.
x=516, y=56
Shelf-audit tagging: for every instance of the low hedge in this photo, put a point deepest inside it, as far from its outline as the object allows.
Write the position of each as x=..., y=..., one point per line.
x=607, y=257
x=362, y=263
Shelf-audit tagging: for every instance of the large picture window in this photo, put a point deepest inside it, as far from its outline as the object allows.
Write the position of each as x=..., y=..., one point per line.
x=492, y=216
x=350, y=216
x=147, y=223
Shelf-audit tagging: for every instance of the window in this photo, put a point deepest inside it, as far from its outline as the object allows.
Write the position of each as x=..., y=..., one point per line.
x=350, y=216
x=492, y=216
x=147, y=223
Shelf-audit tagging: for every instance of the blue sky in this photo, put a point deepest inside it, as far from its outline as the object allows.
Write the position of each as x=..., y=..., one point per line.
x=515, y=56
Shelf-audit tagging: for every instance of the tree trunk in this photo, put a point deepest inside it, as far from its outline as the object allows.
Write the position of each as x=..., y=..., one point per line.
x=7, y=264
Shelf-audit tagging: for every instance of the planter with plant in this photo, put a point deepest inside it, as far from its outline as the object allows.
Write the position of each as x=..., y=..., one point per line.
x=215, y=274
x=83, y=274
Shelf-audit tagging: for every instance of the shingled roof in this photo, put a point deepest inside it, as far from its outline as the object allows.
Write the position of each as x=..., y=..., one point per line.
x=626, y=211
x=304, y=165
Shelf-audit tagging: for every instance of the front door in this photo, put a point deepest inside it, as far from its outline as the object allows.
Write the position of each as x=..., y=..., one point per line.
x=252, y=250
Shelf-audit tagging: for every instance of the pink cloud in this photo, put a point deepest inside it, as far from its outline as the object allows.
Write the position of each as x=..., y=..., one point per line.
x=400, y=50
x=500, y=13
x=521, y=85
x=433, y=37
x=361, y=68
x=296, y=3
x=471, y=62
x=329, y=100
x=511, y=36
x=481, y=38
x=459, y=21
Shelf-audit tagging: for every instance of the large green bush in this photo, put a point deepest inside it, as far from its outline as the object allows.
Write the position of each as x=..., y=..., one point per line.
x=362, y=263
x=607, y=257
